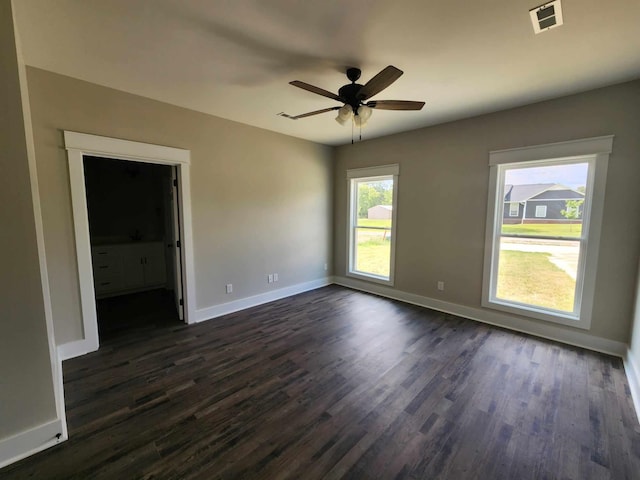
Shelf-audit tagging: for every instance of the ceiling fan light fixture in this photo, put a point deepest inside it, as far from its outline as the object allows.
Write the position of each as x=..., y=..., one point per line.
x=344, y=114
x=362, y=115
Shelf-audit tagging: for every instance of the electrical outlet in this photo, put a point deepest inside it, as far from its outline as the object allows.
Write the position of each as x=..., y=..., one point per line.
x=326, y=267
x=440, y=285
x=270, y=278
x=229, y=288
x=275, y=277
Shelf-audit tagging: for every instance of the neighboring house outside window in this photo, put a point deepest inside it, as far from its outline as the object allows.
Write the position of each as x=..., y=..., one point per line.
x=552, y=196
x=543, y=264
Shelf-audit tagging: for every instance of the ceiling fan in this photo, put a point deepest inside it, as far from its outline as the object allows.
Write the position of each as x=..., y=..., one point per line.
x=354, y=96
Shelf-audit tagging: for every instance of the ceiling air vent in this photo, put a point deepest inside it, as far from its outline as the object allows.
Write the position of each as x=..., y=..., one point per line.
x=546, y=16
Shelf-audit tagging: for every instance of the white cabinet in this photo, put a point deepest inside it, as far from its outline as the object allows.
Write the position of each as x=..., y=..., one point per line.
x=107, y=269
x=128, y=267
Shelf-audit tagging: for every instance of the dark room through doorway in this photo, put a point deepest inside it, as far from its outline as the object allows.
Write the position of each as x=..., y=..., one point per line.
x=135, y=238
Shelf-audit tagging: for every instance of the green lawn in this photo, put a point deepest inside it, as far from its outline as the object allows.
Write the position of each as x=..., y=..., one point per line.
x=519, y=275
x=548, y=229
x=374, y=256
x=374, y=247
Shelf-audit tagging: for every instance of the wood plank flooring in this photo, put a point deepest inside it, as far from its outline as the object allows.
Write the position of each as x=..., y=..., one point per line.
x=338, y=384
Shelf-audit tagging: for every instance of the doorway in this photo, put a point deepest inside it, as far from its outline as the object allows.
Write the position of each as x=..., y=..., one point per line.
x=83, y=147
x=134, y=241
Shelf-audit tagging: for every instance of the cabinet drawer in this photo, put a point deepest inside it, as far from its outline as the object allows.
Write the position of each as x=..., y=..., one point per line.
x=106, y=273
x=107, y=281
x=106, y=286
x=104, y=255
x=107, y=269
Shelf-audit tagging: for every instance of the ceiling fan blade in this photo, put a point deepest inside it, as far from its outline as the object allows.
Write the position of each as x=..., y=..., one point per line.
x=395, y=105
x=303, y=115
x=378, y=83
x=316, y=90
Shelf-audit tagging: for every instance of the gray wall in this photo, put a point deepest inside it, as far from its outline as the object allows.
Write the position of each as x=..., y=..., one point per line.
x=261, y=201
x=443, y=185
x=634, y=342
x=26, y=380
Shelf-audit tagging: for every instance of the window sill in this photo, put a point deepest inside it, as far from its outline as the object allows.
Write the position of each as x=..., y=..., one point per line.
x=371, y=278
x=561, y=318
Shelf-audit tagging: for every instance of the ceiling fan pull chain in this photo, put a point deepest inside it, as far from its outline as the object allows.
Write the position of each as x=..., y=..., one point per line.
x=351, y=132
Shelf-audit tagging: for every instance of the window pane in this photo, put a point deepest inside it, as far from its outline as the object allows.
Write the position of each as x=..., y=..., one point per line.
x=374, y=209
x=373, y=251
x=538, y=272
x=540, y=247
x=551, y=199
x=375, y=202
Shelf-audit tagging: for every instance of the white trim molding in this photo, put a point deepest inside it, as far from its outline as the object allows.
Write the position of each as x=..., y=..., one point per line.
x=30, y=442
x=592, y=151
x=74, y=349
x=367, y=174
x=548, y=331
x=78, y=146
x=632, y=369
x=260, y=299
x=569, y=149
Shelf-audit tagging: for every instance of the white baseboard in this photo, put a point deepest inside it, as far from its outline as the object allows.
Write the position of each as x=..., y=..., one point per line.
x=539, y=329
x=31, y=441
x=632, y=368
x=76, y=348
x=248, y=302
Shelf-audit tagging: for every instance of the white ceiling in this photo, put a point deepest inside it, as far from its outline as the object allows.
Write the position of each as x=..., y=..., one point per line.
x=234, y=58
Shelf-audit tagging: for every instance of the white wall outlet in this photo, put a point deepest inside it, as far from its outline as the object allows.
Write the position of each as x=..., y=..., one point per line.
x=275, y=277
x=326, y=267
x=229, y=288
x=440, y=285
x=270, y=278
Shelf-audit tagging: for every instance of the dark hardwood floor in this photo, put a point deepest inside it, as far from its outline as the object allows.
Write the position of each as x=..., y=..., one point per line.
x=131, y=315
x=334, y=384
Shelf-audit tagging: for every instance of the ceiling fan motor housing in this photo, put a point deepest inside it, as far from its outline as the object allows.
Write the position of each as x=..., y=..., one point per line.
x=350, y=95
x=353, y=74
x=349, y=92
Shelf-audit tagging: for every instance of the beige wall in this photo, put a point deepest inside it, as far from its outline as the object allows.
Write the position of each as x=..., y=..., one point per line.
x=443, y=186
x=26, y=381
x=634, y=343
x=261, y=201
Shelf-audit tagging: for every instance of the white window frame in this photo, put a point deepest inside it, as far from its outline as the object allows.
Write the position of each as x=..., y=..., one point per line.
x=370, y=174
x=594, y=151
x=541, y=211
x=513, y=213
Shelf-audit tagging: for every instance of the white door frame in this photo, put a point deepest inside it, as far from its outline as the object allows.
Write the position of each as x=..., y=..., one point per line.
x=80, y=144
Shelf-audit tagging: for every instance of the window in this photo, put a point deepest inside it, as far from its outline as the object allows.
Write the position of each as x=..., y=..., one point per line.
x=514, y=209
x=541, y=211
x=545, y=266
x=371, y=217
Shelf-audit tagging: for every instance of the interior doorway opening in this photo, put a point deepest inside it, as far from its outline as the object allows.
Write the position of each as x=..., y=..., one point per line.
x=81, y=146
x=135, y=236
